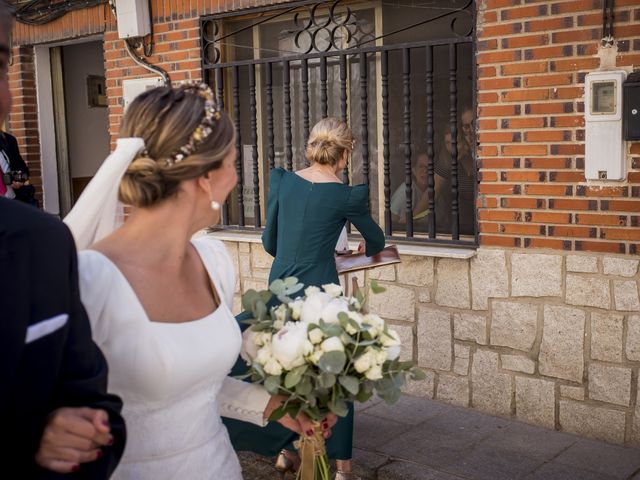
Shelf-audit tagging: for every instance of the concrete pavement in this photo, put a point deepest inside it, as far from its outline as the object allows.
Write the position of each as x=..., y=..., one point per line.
x=420, y=439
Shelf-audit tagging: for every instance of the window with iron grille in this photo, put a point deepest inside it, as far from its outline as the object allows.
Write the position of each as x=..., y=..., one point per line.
x=401, y=72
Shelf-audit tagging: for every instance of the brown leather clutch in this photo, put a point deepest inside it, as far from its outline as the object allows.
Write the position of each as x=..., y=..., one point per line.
x=352, y=262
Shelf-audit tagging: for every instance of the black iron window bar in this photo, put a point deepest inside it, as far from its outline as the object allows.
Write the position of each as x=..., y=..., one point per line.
x=364, y=52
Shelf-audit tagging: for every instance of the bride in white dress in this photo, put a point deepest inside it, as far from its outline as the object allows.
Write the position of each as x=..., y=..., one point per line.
x=159, y=302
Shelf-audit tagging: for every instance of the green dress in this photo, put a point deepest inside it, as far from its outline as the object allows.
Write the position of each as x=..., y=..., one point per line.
x=304, y=221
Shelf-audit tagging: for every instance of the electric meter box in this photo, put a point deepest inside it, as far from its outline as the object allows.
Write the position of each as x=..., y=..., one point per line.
x=631, y=107
x=604, y=152
x=134, y=87
x=133, y=18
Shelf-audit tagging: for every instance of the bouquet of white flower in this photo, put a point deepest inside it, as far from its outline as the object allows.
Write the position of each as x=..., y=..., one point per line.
x=321, y=350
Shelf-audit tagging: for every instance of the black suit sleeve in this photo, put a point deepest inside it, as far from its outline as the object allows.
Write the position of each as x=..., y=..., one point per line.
x=83, y=382
x=10, y=145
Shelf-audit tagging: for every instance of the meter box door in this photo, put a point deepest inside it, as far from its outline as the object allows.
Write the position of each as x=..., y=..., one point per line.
x=631, y=107
x=135, y=86
x=604, y=152
x=133, y=18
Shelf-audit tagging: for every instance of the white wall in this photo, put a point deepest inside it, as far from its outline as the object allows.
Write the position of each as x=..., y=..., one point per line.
x=87, y=128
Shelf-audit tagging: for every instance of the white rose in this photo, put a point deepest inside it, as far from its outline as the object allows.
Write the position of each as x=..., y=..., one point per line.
x=296, y=308
x=264, y=355
x=355, y=316
x=333, y=308
x=273, y=367
x=332, y=344
x=376, y=324
x=278, y=324
x=249, y=346
x=263, y=338
x=393, y=352
x=315, y=356
x=316, y=335
x=374, y=373
x=332, y=289
x=308, y=348
x=380, y=357
x=309, y=291
x=390, y=339
x=363, y=362
x=281, y=312
x=288, y=345
x=353, y=301
x=312, y=308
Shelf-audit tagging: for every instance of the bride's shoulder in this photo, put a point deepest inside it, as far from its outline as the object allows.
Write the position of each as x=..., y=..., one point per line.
x=212, y=246
x=94, y=268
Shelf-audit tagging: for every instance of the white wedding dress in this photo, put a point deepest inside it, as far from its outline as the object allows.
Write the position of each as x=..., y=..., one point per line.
x=172, y=377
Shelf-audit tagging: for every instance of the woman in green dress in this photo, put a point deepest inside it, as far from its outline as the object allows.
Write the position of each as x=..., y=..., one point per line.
x=306, y=211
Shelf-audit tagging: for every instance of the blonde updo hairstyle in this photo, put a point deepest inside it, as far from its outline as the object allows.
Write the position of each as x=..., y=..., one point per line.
x=165, y=118
x=328, y=141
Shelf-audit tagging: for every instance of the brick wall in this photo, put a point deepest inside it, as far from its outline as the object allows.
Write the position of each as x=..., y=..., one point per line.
x=532, y=59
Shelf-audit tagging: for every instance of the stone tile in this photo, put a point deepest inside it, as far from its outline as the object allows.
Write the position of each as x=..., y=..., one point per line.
x=491, y=388
x=366, y=463
x=244, y=247
x=453, y=389
x=424, y=296
x=467, y=326
x=518, y=363
x=256, y=467
x=610, y=384
x=590, y=421
x=635, y=423
x=569, y=391
x=461, y=361
x=406, y=337
x=260, y=258
x=410, y=471
x=535, y=401
x=434, y=338
x=494, y=463
x=244, y=262
x=531, y=441
x=626, y=297
x=466, y=424
x=453, y=283
x=623, y=267
x=416, y=271
x=395, y=303
x=600, y=457
x=409, y=410
x=371, y=432
x=561, y=350
x=514, y=324
x=536, y=275
x=489, y=277
x=422, y=388
x=588, y=291
x=427, y=445
x=387, y=273
x=558, y=471
x=363, y=406
x=606, y=337
x=633, y=337
x=582, y=263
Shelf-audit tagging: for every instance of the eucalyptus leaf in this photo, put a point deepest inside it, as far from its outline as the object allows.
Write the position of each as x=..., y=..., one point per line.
x=332, y=362
x=390, y=396
x=277, y=414
x=376, y=288
x=272, y=384
x=418, y=374
x=304, y=387
x=364, y=395
x=339, y=407
x=260, y=310
x=291, y=281
x=351, y=384
x=326, y=380
x=277, y=286
x=294, y=376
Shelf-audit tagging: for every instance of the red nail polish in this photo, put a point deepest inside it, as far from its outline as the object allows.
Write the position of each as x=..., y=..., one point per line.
x=105, y=423
x=99, y=454
x=110, y=442
x=309, y=433
x=75, y=468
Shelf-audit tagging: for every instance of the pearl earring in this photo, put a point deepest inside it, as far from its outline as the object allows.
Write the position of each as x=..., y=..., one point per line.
x=215, y=205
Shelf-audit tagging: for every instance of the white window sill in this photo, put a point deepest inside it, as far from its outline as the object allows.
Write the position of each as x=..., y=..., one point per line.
x=403, y=249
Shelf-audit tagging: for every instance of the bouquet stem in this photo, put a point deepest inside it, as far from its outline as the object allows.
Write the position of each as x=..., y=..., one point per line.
x=314, y=463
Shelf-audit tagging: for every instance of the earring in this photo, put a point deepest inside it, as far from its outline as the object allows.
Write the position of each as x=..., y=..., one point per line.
x=215, y=205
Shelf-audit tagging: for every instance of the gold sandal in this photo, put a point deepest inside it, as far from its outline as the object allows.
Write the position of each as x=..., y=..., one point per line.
x=340, y=475
x=284, y=464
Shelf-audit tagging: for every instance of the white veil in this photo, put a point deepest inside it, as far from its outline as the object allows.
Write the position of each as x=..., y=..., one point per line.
x=98, y=212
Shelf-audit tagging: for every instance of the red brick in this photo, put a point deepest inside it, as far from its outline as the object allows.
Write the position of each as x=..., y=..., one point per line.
x=523, y=68
x=523, y=12
x=498, y=189
x=547, y=24
x=600, y=219
x=575, y=64
x=499, y=162
x=520, y=95
x=498, y=57
x=548, y=80
x=499, y=30
x=520, y=202
x=526, y=41
x=498, y=110
x=520, y=176
x=545, y=243
x=547, y=136
x=548, y=217
x=522, y=229
x=498, y=83
x=497, y=215
x=624, y=205
x=547, y=190
x=568, y=121
x=497, y=137
x=525, y=122
x=498, y=241
x=572, y=231
x=516, y=150
x=569, y=204
x=620, y=233
x=604, y=247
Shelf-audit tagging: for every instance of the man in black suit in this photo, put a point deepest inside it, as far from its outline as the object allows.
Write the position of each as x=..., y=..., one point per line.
x=56, y=415
x=12, y=161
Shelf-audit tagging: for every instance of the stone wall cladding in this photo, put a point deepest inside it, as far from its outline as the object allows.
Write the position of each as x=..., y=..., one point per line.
x=545, y=354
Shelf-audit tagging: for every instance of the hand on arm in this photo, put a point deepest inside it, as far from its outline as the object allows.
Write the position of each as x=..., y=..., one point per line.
x=73, y=436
